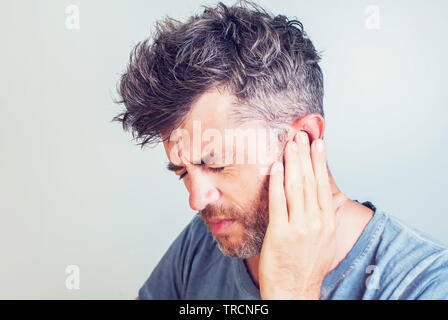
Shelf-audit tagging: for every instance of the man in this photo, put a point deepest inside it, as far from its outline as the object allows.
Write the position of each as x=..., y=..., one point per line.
x=271, y=222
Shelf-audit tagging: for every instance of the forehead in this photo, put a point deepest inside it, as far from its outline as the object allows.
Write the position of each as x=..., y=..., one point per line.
x=209, y=116
x=212, y=110
x=211, y=129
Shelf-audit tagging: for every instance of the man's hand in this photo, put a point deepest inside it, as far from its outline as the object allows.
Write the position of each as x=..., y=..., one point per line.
x=299, y=245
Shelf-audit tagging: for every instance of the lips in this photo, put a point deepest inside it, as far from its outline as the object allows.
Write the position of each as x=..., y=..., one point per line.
x=221, y=226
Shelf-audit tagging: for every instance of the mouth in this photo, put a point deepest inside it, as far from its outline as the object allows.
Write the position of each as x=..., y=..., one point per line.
x=220, y=226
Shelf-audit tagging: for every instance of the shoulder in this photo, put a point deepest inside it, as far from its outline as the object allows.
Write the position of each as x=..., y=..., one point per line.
x=396, y=226
x=412, y=260
x=404, y=241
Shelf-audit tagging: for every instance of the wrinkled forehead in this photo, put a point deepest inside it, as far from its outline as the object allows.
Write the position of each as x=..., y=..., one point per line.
x=210, y=116
x=210, y=134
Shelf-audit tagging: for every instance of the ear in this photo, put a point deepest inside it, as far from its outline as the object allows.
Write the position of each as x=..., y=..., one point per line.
x=313, y=124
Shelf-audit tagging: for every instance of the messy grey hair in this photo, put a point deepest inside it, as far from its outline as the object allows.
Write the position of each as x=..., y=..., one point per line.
x=267, y=62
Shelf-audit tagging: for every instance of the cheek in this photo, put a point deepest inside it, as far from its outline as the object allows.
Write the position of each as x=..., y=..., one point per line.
x=243, y=185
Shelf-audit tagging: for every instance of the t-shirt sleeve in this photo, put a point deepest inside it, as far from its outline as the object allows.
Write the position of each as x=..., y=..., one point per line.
x=168, y=277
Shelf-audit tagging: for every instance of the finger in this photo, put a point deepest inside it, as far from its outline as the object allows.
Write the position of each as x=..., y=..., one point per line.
x=311, y=204
x=294, y=182
x=278, y=212
x=318, y=155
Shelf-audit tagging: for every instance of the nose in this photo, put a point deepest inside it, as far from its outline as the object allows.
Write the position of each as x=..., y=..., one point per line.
x=202, y=190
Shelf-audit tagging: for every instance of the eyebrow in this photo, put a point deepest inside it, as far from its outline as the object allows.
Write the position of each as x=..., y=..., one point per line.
x=204, y=161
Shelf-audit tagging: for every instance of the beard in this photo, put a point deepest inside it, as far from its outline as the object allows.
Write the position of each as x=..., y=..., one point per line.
x=254, y=219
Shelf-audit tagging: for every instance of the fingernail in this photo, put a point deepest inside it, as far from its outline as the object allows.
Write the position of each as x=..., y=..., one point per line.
x=294, y=146
x=303, y=136
x=276, y=167
x=319, y=145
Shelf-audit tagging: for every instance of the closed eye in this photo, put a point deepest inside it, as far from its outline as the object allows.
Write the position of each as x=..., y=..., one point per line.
x=216, y=169
x=209, y=168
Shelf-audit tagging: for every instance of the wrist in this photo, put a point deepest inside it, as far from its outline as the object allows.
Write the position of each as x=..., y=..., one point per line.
x=310, y=293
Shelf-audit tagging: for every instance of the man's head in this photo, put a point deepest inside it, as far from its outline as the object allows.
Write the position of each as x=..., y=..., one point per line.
x=204, y=88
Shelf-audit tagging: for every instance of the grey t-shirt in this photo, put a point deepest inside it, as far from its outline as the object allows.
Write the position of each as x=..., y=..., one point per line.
x=390, y=260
